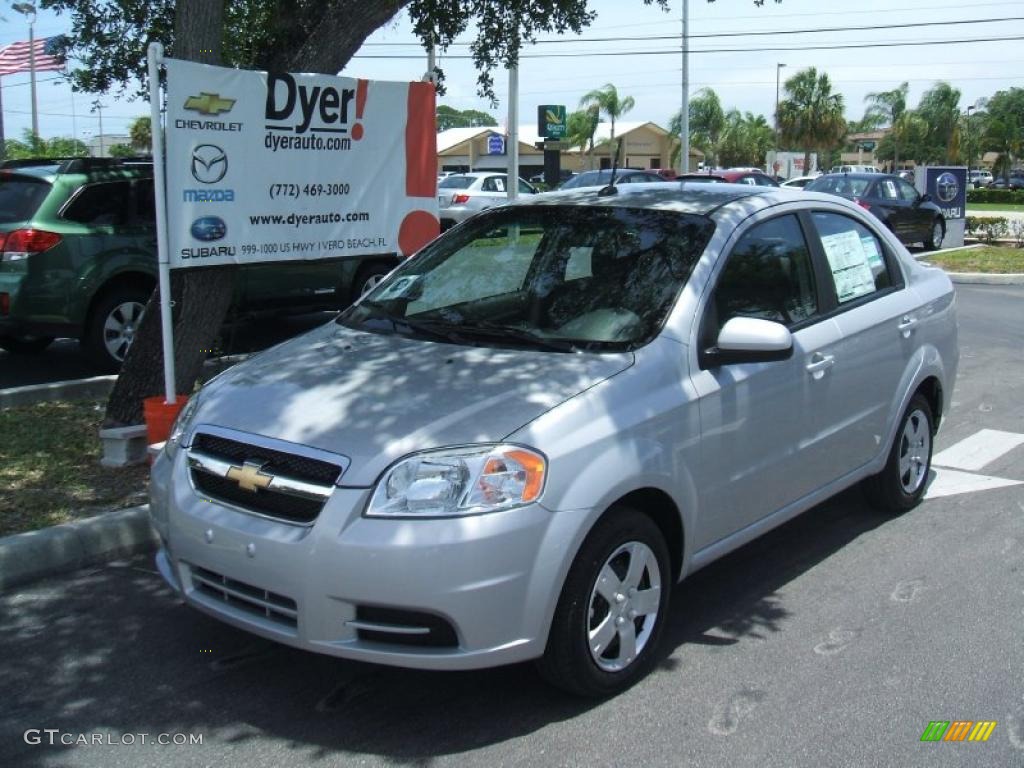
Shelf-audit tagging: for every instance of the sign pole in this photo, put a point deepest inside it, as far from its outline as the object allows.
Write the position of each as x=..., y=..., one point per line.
x=154, y=58
x=512, y=185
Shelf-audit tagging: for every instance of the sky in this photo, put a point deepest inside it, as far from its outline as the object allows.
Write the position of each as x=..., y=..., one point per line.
x=651, y=69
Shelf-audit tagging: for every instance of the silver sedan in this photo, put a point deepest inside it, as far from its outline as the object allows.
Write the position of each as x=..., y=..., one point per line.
x=461, y=195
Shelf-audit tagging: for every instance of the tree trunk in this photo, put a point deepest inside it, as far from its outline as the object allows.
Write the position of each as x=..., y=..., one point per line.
x=201, y=296
x=807, y=162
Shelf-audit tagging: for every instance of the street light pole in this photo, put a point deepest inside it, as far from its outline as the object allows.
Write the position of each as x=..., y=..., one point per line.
x=970, y=149
x=778, y=71
x=28, y=9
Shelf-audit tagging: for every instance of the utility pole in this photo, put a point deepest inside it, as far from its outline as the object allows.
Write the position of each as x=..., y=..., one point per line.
x=970, y=149
x=778, y=71
x=99, y=109
x=684, y=132
x=512, y=140
x=29, y=10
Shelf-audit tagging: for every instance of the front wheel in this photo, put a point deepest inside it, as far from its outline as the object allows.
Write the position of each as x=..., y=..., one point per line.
x=368, y=278
x=901, y=484
x=611, y=611
x=938, y=234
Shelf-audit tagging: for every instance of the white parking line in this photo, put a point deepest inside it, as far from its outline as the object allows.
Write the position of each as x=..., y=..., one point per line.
x=949, y=482
x=981, y=448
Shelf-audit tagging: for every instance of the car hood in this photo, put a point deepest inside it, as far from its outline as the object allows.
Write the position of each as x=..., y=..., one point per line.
x=374, y=398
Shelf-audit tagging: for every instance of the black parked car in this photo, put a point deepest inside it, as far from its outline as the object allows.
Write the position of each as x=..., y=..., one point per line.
x=1015, y=181
x=913, y=217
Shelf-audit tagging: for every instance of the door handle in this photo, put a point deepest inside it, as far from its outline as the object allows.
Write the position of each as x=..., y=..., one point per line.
x=906, y=326
x=819, y=364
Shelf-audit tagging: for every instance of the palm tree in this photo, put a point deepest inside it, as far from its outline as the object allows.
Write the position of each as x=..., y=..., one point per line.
x=707, y=122
x=811, y=115
x=608, y=102
x=141, y=133
x=580, y=127
x=889, y=107
x=940, y=109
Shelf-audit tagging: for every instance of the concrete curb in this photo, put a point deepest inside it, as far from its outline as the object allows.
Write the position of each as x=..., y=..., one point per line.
x=33, y=555
x=97, y=387
x=74, y=389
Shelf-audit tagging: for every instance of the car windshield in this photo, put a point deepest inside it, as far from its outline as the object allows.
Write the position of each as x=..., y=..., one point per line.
x=839, y=185
x=548, y=277
x=456, y=182
x=20, y=197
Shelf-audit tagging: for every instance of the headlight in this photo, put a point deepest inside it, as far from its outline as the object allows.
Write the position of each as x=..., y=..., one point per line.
x=181, y=425
x=460, y=481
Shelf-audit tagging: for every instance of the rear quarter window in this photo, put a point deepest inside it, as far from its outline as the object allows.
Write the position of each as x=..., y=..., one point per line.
x=20, y=197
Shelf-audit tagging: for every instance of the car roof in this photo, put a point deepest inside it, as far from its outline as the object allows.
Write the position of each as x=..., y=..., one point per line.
x=695, y=197
x=859, y=175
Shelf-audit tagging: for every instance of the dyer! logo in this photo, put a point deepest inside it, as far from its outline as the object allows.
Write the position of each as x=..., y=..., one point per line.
x=209, y=163
x=317, y=109
x=209, y=103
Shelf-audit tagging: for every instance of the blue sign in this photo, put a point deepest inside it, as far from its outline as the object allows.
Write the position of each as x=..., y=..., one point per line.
x=948, y=188
x=495, y=144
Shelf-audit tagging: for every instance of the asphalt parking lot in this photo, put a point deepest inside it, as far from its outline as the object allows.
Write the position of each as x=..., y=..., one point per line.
x=832, y=641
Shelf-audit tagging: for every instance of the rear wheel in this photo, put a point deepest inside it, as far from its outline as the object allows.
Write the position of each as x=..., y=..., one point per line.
x=611, y=612
x=900, y=486
x=938, y=234
x=25, y=345
x=113, y=324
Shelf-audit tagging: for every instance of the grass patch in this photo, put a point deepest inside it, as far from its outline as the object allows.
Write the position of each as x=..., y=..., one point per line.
x=990, y=259
x=50, y=471
x=971, y=207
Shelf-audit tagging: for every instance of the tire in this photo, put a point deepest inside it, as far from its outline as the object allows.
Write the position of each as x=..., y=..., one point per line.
x=113, y=323
x=936, y=236
x=367, y=279
x=25, y=345
x=901, y=484
x=623, y=536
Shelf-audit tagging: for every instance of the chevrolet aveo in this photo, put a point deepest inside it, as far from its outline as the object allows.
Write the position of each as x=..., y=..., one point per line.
x=516, y=444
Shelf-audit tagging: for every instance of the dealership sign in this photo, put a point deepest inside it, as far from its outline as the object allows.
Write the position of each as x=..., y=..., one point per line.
x=948, y=189
x=276, y=167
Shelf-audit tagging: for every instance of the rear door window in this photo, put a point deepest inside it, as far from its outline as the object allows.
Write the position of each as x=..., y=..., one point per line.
x=109, y=204
x=20, y=197
x=856, y=258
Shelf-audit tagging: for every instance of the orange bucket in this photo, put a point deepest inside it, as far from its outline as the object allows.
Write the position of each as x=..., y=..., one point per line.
x=160, y=416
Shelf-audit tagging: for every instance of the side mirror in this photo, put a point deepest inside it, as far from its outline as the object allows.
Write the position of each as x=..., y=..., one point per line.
x=749, y=340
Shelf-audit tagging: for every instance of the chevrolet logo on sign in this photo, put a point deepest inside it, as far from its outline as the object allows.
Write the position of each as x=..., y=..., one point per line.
x=209, y=103
x=249, y=477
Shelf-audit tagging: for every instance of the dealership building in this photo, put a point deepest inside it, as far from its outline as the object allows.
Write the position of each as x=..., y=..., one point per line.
x=644, y=145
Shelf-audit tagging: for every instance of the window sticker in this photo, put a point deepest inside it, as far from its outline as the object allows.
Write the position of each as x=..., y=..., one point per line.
x=849, y=263
x=872, y=252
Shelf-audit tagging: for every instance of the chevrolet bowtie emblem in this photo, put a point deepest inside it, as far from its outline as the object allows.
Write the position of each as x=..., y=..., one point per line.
x=209, y=103
x=249, y=477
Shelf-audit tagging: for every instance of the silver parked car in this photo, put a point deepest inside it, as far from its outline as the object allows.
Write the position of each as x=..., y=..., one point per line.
x=461, y=195
x=517, y=444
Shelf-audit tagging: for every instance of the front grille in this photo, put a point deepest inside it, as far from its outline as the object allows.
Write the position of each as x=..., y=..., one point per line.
x=439, y=633
x=291, y=508
x=274, y=462
x=245, y=597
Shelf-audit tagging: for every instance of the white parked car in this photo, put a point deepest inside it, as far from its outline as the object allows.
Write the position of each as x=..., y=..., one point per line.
x=461, y=195
x=798, y=182
x=978, y=179
x=516, y=445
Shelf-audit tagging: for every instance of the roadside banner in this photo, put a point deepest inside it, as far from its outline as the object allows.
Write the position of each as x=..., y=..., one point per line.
x=277, y=167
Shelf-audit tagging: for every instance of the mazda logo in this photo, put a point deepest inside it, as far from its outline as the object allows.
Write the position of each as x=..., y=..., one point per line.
x=209, y=164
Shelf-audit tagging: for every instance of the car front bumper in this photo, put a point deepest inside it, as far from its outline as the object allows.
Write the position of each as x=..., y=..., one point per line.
x=492, y=580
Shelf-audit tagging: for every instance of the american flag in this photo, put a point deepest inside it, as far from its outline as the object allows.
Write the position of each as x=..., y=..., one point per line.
x=14, y=58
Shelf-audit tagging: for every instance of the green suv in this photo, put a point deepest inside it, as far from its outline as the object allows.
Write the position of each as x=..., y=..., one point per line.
x=78, y=259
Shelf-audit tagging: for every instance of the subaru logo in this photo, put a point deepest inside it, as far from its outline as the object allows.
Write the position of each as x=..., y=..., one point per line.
x=209, y=163
x=208, y=228
x=947, y=187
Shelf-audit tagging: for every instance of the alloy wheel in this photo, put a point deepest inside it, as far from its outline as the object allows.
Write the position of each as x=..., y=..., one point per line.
x=120, y=327
x=624, y=605
x=915, y=447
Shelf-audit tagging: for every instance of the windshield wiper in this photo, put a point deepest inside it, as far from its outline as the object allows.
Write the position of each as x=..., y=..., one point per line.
x=521, y=334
